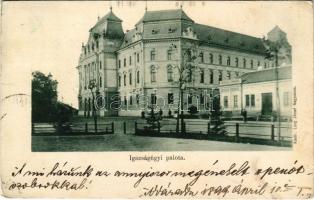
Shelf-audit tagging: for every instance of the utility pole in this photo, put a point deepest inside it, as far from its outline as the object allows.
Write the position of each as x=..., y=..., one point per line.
x=277, y=93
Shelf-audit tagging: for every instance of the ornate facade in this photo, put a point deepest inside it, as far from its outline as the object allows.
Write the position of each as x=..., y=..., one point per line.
x=141, y=66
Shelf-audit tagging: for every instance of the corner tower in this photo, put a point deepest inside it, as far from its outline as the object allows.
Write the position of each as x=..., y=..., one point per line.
x=98, y=64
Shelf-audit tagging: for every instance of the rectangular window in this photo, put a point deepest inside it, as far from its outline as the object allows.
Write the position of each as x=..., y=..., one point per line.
x=152, y=55
x=130, y=60
x=211, y=77
x=138, y=57
x=131, y=100
x=153, y=99
x=220, y=76
x=100, y=65
x=190, y=99
x=202, y=76
x=235, y=101
x=137, y=99
x=119, y=64
x=124, y=80
x=119, y=81
x=247, y=100
x=202, y=98
x=252, y=100
x=124, y=62
x=225, y=101
x=286, y=99
x=130, y=78
x=170, y=98
x=169, y=55
x=125, y=101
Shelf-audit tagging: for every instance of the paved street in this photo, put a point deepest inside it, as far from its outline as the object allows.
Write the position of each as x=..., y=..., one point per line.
x=130, y=142
x=120, y=142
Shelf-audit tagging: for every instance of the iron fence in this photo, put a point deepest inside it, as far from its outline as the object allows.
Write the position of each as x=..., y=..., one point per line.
x=226, y=131
x=72, y=129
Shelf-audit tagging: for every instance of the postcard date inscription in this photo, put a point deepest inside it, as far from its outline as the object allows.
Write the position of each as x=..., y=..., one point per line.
x=173, y=183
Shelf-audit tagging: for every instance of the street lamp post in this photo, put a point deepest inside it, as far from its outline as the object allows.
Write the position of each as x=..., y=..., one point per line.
x=91, y=86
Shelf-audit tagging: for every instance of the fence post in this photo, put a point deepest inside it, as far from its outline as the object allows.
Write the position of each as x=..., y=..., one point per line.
x=237, y=130
x=208, y=128
x=33, y=128
x=158, y=124
x=112, y=127
x=86, y=127
x=124, y=127
x=272, y=132
x=135, y=127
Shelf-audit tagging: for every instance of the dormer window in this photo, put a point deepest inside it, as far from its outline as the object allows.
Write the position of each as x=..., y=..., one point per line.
x=171, y=30
x=154, y=31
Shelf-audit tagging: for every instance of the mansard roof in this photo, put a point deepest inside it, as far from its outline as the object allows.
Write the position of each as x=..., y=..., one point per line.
x=111, y=30
x=221, y=37
x=163, y=15
x=108, y=17
x=205, y=34
x=267, y=75
x=128, y=38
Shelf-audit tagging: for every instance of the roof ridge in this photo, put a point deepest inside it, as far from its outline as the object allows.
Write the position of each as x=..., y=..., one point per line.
x=228, y=31
x=268, y=69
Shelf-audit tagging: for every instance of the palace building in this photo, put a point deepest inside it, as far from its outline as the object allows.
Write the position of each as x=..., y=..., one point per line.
x=142, y=66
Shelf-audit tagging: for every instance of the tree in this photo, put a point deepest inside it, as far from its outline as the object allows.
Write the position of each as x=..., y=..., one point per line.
x=186, y=71
x=44, y=97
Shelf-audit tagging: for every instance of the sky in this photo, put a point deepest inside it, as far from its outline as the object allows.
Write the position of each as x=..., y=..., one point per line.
x=47, y=36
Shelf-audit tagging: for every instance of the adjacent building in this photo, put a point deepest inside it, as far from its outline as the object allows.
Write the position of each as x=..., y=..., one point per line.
x=140, y=67
x=256, y=92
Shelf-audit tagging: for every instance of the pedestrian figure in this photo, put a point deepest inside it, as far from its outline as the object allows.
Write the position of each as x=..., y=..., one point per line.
x=169, y=113
x=160, y=113
x=143, y=114
x=244, y=115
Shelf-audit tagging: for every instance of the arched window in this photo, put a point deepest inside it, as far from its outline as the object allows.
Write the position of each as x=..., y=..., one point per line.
x=124, y=79
x=153, y=73
x=236, y=62
x=220, y=60
x=202, y=57
x=228, y=61
x=119, y=81
x=138, y=76
x=211, y=58
x=169, y=73
x=100, y=81
x=244, y=63
x=252, y=64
